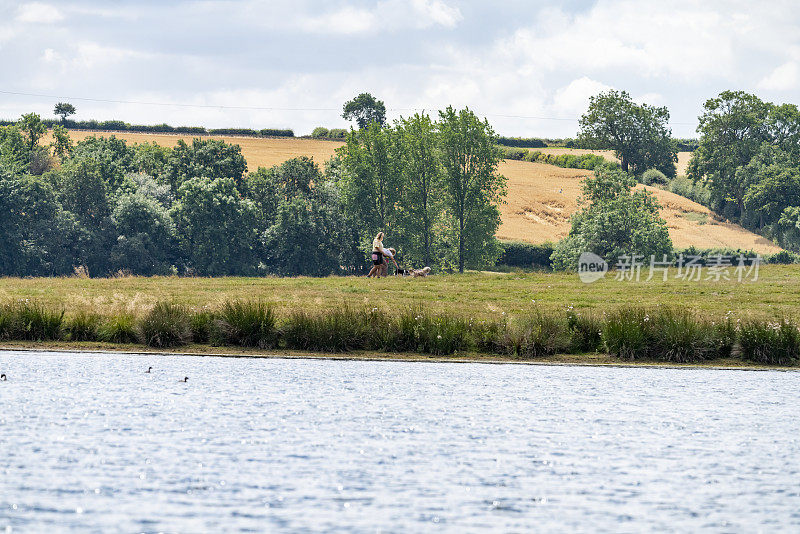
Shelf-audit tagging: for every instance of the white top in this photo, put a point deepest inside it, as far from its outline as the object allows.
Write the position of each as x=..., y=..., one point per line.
x=387, y=253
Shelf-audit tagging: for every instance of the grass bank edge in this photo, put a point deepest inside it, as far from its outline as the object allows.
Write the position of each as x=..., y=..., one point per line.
x=631, y=334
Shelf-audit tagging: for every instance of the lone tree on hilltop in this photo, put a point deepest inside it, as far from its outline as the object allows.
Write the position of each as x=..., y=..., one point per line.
x=64, y=110
x=365, y=109
x=639, y=135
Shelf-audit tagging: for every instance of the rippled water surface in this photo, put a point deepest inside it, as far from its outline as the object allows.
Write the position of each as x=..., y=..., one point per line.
x=91, y=442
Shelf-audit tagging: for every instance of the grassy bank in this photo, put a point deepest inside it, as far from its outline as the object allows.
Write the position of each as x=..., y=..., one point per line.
x=472, y=295
x=628, y=333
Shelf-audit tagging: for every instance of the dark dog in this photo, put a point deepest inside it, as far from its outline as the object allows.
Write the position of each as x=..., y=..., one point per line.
x=402, y=271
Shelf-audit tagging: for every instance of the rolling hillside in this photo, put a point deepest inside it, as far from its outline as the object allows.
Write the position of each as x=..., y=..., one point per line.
x=540, y=200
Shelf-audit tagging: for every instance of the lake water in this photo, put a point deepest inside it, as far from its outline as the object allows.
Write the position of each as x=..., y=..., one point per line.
x=90, y=442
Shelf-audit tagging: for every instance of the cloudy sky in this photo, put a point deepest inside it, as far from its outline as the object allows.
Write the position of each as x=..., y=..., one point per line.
x=528, y=66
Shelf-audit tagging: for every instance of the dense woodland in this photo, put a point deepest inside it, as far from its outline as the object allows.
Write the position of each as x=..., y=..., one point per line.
x=103, y=207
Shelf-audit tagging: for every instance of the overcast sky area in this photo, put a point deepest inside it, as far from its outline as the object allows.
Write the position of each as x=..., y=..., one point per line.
x=528, y=66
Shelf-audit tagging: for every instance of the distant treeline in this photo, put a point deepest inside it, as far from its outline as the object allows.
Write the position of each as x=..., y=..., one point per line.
x=537, y=256
x=122, y=126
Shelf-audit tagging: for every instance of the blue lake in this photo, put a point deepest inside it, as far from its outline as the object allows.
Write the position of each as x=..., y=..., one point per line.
x=90, y=442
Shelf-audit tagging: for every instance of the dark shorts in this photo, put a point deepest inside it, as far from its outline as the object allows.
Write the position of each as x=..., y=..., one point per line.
x=377, y=258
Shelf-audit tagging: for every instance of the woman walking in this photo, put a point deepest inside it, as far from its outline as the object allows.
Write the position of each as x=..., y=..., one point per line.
x=377, y=256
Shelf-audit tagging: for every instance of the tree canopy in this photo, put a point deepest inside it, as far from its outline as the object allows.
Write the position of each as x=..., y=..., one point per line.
x=639, y=135
x=365, y=109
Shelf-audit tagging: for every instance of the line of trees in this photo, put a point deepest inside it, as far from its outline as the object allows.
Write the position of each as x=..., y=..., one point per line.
x=749, y=159
x=106, y=206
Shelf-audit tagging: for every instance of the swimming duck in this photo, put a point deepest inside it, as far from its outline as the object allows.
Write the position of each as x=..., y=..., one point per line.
x=3, y=377
x=185, y=379
x=149, y=369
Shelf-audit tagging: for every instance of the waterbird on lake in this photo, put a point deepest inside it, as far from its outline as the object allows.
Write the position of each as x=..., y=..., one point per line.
x=149, y=369
x=185, y=379
x=3, y=377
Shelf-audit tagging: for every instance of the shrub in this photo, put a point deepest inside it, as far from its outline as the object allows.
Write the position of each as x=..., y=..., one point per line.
x=684, y=187
x=784, y=257
x=521, y=142
x=119, y=328
x=770, y=343
x=539, y=335
x=527, y=255
x=337, y=133
x=654, y=177
x=514, y=153
x=167, y=325
x=233, y=131
x=249, y=324
x=82, y=327
x=271, y=132
x=319, y=131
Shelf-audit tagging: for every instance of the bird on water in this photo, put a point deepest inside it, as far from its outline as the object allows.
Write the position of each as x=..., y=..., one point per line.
x=149, y=369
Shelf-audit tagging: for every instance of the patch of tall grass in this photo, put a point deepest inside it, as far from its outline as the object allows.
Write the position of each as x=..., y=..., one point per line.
x=166, y=325
x=245, y=323
x=83, y=326
x=30, y=321
x=118, y=328
x=666, y=334
x=771, y=343
x=339, y=330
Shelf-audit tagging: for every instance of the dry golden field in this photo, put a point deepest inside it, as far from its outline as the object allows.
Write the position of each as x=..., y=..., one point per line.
x=540, y=200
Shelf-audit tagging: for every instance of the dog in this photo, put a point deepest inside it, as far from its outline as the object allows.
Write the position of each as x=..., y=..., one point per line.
x=402, y=271
x=420, y=273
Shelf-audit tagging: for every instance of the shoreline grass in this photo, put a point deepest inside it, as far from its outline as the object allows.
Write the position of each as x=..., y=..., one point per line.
x=635, y=334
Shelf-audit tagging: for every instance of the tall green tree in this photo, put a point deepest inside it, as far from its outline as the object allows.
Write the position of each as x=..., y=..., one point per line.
x=64, y=110
x=37, y=237
x=615, y=220
x=146, y=242
x=14, y=155
x=639, y=135
x=216, y=227
x=732, y=129
x=469, y=157
x=62, y=144
x=209, y=158
x=369, y=178
x=33, y=128
x=365, y=109
x=421, y=186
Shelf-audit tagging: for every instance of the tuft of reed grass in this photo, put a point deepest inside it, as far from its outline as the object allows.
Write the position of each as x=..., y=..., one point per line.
x=668, y=335
x=166, y=325
x=339, y=330
x=771, y=343
x=82, y=327
x=586, y=332
x=539, y=335
x=118, y=328
x=204, y=329
x=248, y=324
x=30, y=321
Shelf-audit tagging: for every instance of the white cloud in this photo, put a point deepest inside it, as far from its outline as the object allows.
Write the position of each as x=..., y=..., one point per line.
x=347, y=21
x=783, y=78
x=392, y=15
x=438, y=12
x=38, y=13
x=573, y=99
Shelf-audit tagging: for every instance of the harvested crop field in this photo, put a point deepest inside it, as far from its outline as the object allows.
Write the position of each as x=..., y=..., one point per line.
x=540, y=200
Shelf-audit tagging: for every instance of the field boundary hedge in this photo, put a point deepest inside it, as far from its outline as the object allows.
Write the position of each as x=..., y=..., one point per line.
x=122, y=126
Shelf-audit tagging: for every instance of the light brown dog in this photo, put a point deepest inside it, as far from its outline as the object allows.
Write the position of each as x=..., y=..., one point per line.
x=425, y=271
